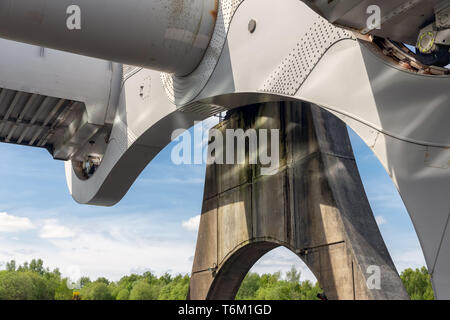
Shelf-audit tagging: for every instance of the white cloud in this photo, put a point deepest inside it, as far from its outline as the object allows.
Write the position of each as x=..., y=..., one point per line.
x=114, y=254
x=192, y=224
x=380, y=220
x=410, y=258
x=53, y=230
x=10, y=223
x=110, y=246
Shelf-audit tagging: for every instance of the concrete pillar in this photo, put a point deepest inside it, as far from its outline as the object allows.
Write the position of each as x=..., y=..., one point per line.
x=314, y=205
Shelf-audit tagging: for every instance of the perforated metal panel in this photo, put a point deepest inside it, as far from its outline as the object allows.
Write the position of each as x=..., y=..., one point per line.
x=296, y=67
x=182, y=90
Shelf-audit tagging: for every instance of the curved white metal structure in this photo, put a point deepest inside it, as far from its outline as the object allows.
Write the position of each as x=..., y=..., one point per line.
x=288, y=52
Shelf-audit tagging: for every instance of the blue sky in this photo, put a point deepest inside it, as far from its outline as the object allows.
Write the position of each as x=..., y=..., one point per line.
x=154, y=226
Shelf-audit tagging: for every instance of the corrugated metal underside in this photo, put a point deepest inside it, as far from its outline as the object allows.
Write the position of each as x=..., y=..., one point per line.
x=32, y=119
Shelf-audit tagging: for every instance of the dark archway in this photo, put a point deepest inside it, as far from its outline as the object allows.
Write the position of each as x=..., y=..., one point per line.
x=229, y=278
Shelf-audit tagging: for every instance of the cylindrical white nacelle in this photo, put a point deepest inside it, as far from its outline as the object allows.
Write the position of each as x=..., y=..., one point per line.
x=165, y=35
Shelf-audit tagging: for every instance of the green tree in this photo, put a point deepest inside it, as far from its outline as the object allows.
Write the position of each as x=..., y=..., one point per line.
x=37, y=266
x=62, y=292
x=176, y=289
x=84, y=281
x=308, y=291
x=103, y=280
x=43, y=289
x=272, y=287
x=128, y=281
x=32, y=281
x=11, y=266
x=249, y=287
x=123, y=294
x=142, y=290
x=96, y=291
x=293, y=275
x=418, y=284
x=16, y=286
x=165, y=278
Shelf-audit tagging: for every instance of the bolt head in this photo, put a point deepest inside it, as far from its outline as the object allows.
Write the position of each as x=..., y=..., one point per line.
x=426, y=42
x=252, y=25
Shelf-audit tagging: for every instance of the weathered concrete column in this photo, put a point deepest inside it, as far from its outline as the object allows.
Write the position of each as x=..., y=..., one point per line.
x=314, y=204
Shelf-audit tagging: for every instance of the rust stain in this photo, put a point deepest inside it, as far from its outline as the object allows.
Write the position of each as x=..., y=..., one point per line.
x=215, y=12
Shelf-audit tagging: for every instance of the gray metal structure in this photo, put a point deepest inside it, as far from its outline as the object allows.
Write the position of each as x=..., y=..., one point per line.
x=108, y=120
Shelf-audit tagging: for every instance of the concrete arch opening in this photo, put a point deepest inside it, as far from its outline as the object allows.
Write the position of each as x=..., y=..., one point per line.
x=232, y=274
x=283, y=261
x=229, y=278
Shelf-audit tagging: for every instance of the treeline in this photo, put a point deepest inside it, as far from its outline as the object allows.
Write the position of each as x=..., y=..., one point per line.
x=32, y=281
